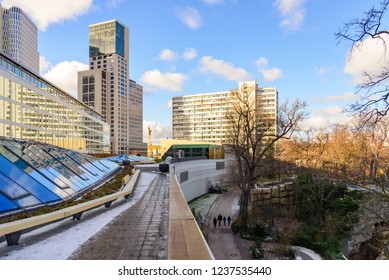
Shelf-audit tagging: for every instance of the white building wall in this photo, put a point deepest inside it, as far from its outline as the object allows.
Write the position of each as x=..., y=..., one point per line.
x=200, y=175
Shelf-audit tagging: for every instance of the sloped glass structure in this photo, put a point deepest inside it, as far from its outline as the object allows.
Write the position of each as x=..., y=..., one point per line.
x=127, y=159
x=34, y=174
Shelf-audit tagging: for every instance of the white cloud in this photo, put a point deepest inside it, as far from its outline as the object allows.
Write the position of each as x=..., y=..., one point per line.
x=213, y=2
x=223, y=69
x=43, y=64
x=321, y=71
x=46, y=12
x=166, y=81
x=170, y=104
x=325, y=117
x=371, y=56
x=333, y=111
x=269, y=74
x=112, y=4
x=158, y=131
x=64, y=75
x=167, y=55
x=315, y=122
x=348, y=96
x=189, y=54
x=190, y=16
x=262, y=62
x=292, y=13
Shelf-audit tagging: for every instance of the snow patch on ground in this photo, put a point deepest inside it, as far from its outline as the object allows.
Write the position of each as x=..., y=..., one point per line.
x=309, y=252
x=235, y=207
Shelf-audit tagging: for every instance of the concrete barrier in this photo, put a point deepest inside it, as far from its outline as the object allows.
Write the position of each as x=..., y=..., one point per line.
x=185, y=241
x=13, y=230
x=125, y=180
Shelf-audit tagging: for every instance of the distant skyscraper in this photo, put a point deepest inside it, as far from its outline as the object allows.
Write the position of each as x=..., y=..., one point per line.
x=105, y=86
x=19, y=38
x=136, y=144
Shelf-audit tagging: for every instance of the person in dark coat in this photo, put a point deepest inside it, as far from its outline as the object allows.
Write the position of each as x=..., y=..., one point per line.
x=214, y=221
x=219, y=219
x=224, y=220
x=229, y=220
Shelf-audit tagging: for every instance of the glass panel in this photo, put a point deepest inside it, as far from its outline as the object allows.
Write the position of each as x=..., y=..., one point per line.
x=10, y=188
x=6, y=204
x=24, y=165
x=34, y=161
x=59, y=159
x=28, y=201
x=58, y=170
x=22, y=179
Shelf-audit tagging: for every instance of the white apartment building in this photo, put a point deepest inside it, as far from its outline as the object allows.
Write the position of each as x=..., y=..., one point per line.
x=19, y=38
x=202, y=117
x=267, y=106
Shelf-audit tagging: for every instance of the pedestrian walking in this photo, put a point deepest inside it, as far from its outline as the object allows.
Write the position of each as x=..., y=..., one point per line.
x=214, y=222
x=229, y=220
x=219, y=219
x=224, y=220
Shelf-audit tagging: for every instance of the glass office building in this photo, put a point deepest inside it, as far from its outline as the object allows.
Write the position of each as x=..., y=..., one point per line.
x=31, y=108
x=107, y=38
x=34, y=174
x=19, y=37
x=107, y=89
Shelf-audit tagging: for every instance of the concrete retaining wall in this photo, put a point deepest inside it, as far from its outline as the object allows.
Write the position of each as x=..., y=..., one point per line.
x=195, y=177
x=282, y=194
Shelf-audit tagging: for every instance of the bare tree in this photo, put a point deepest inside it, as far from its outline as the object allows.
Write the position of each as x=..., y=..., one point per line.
x=374, y=90
x=252, y=136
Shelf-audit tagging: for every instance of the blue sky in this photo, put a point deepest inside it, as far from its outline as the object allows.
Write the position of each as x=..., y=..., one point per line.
x=187, y=47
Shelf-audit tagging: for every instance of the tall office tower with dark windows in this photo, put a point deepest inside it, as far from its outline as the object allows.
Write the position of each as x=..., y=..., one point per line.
x=105, y=86
x=19, y=38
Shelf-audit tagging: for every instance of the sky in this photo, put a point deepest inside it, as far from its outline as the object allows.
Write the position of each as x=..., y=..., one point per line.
x=199, y=46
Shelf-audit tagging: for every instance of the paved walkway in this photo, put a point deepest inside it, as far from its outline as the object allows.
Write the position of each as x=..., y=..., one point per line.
x=140, y=233
x=224, y=244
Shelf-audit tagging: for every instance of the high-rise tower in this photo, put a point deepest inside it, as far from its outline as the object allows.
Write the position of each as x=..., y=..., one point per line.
x=105, y=86
x=19, y=38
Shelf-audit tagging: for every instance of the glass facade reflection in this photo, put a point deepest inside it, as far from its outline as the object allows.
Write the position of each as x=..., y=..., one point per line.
x=19, y=37
x=33, y=109
x=107, y=38
x=34, y=174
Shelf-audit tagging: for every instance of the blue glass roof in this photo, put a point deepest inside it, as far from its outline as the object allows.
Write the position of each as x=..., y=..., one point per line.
x=130, y=159
x=36, y=174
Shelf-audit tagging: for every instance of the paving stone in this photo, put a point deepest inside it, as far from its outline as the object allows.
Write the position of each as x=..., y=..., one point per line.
x=136, y=233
